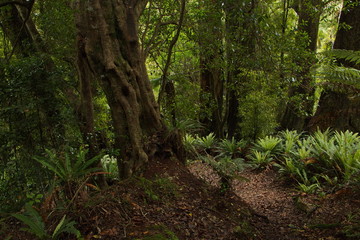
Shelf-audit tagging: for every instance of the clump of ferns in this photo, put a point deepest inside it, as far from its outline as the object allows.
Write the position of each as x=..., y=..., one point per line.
x=340, y=78
x=231, y=148
x=265, y=150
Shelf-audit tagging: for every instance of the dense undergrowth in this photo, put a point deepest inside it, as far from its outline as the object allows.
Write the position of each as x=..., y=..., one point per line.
x=320, y=163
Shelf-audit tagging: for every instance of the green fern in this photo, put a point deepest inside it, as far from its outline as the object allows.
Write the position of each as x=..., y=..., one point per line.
x=206, y=142
x=348, y=55
x=36, y=226
x=230, y=147
x=65, y=226
x=290, y=139
x=68, y=169
x=34, y=222
x=260, y=159
x=341, y=78
x=269, y=144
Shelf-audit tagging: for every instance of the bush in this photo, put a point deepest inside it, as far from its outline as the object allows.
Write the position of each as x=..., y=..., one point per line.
x=323, y=159
x=36, y=226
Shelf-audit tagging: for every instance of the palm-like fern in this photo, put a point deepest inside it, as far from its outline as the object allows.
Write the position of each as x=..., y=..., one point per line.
x=68, y=169
x=35, y=225
x=348, y=55
x=338, y=77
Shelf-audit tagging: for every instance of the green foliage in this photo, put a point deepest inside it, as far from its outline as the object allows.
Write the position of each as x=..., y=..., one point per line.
x=32, y=118
x=228, y=168
x=55, y=20
x=269, y=144
x=33, y=198
x=289, y=167
x=67, y=168
x=351, y=226
x=324, y=159
x=230, y=147
x=223, y=156
x=187, y=126
x=258, y=113
x=36, y=226
x=34, y=222
x=348, y=55
x=347, y=155
x=65, y=226
x=340, y=78
x=308, y=188
x=260, y=159
x=190, y=143
x=72, y=170
x=206, y=142
x=290, y=140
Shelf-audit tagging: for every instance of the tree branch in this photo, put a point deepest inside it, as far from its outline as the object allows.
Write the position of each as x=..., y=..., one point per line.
x=29, y=8
x=15, y=3
x=170, y=51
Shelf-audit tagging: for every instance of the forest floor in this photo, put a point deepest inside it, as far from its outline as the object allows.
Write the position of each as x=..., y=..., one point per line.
x=284, y=213
x=171, y=201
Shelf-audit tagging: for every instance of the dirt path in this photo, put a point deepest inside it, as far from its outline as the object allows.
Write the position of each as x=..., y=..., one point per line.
x=274, y=203
x=283, y=213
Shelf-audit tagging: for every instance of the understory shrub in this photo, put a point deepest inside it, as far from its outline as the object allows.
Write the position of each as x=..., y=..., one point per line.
x=224, y=156
x=35, y=225
x=318, y=161
x=72, y=169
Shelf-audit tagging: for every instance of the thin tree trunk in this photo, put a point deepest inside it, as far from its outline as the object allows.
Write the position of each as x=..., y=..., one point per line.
x=239, y=18
x=297, y=114
x=210, y=34
x=86, y=107
x=167, y=89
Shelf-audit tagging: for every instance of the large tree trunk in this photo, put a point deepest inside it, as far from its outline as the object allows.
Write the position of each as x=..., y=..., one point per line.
x=339, y=110
x=297, y=114
x=109, y=32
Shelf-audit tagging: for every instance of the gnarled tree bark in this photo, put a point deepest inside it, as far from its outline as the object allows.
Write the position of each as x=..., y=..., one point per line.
x=108, y=31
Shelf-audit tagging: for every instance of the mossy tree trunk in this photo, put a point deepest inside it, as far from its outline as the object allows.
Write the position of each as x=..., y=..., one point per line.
x=108, y=31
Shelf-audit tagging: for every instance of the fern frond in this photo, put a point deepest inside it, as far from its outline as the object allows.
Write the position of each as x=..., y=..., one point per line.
x=342, y=78
x=348, y=55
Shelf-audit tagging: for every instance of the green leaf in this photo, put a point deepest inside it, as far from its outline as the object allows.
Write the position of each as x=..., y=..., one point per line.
x=50, y=165
x=65, y=225
x=33, y=220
